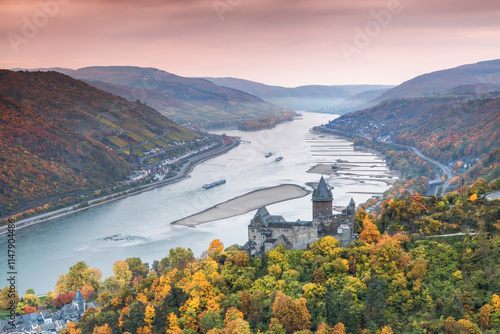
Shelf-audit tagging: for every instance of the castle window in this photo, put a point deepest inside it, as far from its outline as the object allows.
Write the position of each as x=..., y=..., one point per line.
x=339, y=230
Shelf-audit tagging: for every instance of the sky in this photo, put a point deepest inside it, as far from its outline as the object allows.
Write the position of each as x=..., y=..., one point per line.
x=278, y=42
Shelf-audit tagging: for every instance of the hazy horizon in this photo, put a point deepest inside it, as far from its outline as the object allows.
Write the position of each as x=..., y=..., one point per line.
x=276, y=42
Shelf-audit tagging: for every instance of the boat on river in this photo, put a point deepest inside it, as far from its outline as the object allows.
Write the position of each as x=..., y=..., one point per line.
x=214, y=184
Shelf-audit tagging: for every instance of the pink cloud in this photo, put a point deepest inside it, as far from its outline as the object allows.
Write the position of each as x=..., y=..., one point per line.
x=287, y=42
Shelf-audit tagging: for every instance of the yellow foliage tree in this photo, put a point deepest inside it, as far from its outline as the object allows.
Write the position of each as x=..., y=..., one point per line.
x=323, y=329
x=149, y=314
x=470, y=327
x=173, y=327
x=327, y=247
x=125, y=311
x=292, y=315
x=103, y=330
x=473, y=197
x=237, y=326
x=232, y=313
x=370, y=232
x=144, y=330
x=339, y=329
x=495, y=302
x=216, y=246
x=72, y=329
x=386, y=330
x=485, y=317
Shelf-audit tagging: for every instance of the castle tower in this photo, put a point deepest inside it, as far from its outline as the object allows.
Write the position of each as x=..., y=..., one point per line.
x=351, y=208
x=322, y=200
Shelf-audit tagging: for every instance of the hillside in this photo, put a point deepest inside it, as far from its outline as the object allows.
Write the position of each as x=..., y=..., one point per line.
x=298, y=98
x=405, y=282
x=444, y=128
x=182, y=99
x=356, y=102
x=485, y=76
x=55, y=130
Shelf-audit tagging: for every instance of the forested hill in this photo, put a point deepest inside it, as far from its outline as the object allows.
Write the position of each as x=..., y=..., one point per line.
x=482, y=77
x=180, y=98
x=460, y=82
x=54, y=132
x=398, y=283
x=445, y=128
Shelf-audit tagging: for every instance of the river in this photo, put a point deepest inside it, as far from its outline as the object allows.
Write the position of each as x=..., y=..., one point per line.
x=142, y=221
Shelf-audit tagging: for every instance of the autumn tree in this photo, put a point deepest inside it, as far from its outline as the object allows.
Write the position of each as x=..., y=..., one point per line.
x=179, y=257
x=275, y=327
x=79, y=275
x=252, y=305
x=136, y=267
x=327, y=246
x=241, y=259
x=102, y=330
x=121, y=278
x=237, y=326
x=29, y=309
x=64, y=299
x=386, y=330
x=6, y=296
x=485, y=317
x=360, y=218
x=31, y=300
x=339, y=329
x=370, y=232
x=292, y=315
x=323, y=329
x=71, y=328
x=495, y=303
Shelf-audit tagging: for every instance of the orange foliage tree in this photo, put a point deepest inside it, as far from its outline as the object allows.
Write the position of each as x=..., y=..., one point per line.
x=292, y=315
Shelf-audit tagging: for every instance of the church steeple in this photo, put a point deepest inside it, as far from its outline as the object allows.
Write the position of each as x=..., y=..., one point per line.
x=322, y=200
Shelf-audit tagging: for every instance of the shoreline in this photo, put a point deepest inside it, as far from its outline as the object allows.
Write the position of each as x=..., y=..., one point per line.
x=33, y=220
x=243, y=204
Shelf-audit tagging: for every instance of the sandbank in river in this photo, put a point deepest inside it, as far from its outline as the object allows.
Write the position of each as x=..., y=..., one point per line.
x=244, y=204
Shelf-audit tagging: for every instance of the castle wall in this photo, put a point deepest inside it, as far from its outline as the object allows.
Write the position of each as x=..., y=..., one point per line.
x=344, y=238
x=299, y=235
x=332, y=222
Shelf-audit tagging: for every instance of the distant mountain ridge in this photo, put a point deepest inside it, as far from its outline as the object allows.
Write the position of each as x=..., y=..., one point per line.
x=462, y=81
x=485, y=74
x=308, y=97
x=181, y=98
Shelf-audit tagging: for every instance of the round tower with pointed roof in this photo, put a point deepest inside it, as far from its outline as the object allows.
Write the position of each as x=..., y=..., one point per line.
x=322, y=200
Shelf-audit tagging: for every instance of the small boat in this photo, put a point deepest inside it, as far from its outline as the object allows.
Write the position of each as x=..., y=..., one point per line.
x=278, y=159
x=268, y=155
x=214, y=184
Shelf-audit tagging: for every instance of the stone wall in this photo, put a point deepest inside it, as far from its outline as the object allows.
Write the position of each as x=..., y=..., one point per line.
x=332, y=222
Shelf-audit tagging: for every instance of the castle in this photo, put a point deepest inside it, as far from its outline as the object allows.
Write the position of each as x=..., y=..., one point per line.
x=267, y=231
